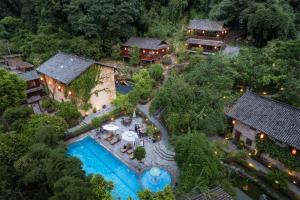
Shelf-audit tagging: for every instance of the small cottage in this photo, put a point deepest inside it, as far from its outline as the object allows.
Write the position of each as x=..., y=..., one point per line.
x=254, y=116
x=207, y=34
x=60, y=74
x=151, y=49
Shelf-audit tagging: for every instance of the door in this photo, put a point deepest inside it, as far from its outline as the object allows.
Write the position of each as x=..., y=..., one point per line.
x=237, y=136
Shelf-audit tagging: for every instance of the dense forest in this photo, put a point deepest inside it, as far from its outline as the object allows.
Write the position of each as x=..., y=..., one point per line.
x=33, y=161
x=38, y=29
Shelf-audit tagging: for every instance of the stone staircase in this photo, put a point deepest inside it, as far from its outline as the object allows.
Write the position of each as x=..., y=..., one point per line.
x=163, y=153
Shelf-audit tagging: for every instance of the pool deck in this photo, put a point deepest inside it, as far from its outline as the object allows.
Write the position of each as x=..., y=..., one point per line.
x=153, y=156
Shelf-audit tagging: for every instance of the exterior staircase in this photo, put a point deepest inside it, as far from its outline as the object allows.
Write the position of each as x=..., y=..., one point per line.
x=164, y=154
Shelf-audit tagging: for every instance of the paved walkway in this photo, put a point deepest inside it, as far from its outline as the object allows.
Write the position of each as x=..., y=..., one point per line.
x=163, y=130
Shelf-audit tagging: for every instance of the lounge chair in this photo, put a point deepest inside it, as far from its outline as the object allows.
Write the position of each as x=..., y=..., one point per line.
x=115, y=140
x=126, y=148
x=131, y=156
x=130, y=151
x=108, y=137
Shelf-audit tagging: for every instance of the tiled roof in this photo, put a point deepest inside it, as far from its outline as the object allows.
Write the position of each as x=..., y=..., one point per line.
x=278, y=120
x=65, y=67
x=30, y=75
x=217, y=43
x=145, y=43
x=216, y=193
x=206, y=24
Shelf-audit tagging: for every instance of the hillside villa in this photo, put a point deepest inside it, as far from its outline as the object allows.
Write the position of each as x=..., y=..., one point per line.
x=151, y=49
x=14, y=63
x=61, y=70
x=207, y=34
x=255, y=117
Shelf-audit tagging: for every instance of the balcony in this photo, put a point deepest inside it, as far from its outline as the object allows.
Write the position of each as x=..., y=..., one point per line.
x=39, y=88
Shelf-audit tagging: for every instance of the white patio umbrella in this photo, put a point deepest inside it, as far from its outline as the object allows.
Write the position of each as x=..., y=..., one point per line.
x=110, y=127
x=129, y=136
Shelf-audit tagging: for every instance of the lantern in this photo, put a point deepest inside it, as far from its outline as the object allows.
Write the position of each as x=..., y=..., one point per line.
x=294, y=151
x=264, y=93
x=163, y=50
x=225, y=31
x=70, y=93
x=112, y=119
x=168, y=48
x=200, y=46
x=144, y=51
x=125, y=49
x=203, y=32
x=189, y=30
x=241, y=90
x=218, y=35
x=282, y=88
x=41, y=78
x=49, y=82
x=59, y=88
x=233, y=122
x=215, y=47
x=261, y=136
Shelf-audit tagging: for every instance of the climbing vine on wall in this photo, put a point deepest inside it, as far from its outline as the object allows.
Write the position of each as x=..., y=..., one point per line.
x=83, y=85
x=282, y=154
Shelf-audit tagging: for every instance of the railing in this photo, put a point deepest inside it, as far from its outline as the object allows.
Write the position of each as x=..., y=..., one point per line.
x=205, y=37
x=34, y=89
x=143, y=57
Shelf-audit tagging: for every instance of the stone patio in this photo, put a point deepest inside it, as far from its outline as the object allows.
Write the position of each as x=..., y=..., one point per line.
x=156, y=153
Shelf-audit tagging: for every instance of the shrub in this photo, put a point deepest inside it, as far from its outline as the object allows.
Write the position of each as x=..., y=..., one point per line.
x=116, y=52
x=279, y=179
x=139, y=153
x=156, y=72
x=15, y=118
x=48, y=104
x=69, y=112
x=166, y=60
x=98, y=121
x=135, y=56
x=151, y=130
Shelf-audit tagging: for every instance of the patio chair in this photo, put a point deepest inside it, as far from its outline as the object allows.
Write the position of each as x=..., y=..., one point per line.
x=115, y=140
x=126, y=148
x=130, y=151
x=108, y=137
x=131, y=156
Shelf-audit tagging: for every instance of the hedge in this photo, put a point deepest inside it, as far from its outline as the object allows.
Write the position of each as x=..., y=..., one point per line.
x=96, y=122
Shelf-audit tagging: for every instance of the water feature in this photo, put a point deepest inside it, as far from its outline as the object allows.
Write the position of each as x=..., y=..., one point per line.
x=155, y=179
x=124, y=86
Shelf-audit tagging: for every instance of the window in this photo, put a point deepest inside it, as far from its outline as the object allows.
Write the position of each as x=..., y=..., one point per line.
x=248, y=142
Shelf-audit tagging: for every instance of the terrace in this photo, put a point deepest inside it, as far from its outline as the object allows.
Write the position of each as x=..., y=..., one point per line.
x=156, y=152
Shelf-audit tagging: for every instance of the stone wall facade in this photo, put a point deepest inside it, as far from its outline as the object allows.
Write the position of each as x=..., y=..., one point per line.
x=102, y=94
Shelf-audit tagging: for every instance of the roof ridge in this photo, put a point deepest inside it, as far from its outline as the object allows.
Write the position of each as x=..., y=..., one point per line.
x=146, y=38
x=273, y=100
x=74, y=55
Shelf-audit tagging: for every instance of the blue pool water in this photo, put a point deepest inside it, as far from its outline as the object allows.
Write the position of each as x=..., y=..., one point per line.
x=123, y=88
x=97, y=160
x=156, y=184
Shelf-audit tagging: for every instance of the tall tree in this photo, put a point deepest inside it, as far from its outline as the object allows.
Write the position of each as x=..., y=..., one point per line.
x=12, y=90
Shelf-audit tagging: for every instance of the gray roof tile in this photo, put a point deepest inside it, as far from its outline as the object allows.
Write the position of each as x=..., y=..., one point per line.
x=278, y=120
x=30, y=75
x=65, y=67
x=145, y=43
x=206, y=24
x=216, y=43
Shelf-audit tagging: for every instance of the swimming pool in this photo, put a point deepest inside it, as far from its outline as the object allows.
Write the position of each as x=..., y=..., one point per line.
x=97, y=160
x=123, y=88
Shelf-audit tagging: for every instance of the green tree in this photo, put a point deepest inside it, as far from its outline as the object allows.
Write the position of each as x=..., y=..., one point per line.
x=139, y=153
x=143, y=83
x=12, y=90
x=15, y=118
x=116, y=52
x=101, y=188
x=134, y=56
x=166, y=194
x=269, y=22
x=197, y=162
x=156, y=72
x=69, y=112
